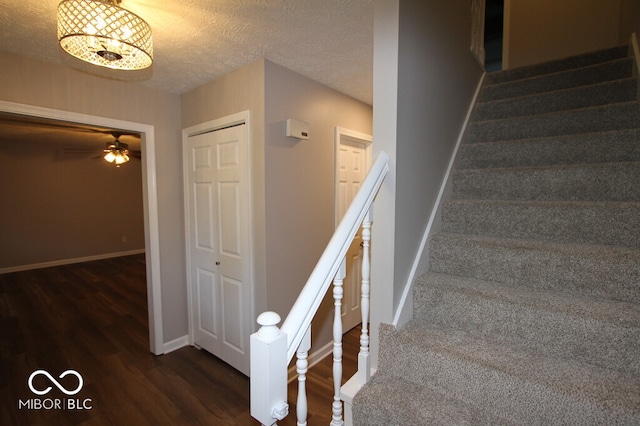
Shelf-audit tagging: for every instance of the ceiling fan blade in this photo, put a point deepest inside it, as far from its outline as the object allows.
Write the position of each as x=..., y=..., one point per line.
x=79, y=151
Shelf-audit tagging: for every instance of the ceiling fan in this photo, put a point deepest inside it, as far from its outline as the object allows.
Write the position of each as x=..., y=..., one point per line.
x=118, y=152
x=78, y=139
x=115, y=151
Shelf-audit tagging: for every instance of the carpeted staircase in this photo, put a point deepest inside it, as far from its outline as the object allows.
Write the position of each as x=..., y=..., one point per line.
x=530, y=313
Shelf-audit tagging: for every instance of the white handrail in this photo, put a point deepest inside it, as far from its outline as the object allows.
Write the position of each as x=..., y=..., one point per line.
x=308, y=302
x=272, y=348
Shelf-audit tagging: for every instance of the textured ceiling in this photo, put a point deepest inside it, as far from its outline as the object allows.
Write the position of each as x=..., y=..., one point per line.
x=330, y=41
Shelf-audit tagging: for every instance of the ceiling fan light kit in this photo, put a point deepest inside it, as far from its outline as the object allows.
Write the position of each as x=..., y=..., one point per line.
x=116, y=153
x=102, y=33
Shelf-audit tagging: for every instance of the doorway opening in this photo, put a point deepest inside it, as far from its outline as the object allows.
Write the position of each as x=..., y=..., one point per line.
x=150, y=202
x=493, y=34
x=353, y=160
x=218, y=243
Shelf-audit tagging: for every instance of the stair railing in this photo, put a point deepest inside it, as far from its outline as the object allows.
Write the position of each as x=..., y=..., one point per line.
x=272, y=348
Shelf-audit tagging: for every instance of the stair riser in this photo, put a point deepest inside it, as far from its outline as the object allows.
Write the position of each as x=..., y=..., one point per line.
x=586, y=120
x=596, y=223
x=594, y=74
x=510, y=397
x=548, y=332
x=605, y=147
x=585, y=270
x=608, y=182
x=583, y=97
x=417, y=406
x=559, y=65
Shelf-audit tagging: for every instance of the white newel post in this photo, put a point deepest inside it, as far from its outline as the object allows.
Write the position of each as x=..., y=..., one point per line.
x=336, y=407
x=269, y=371
x=301, y=369
x=364, y=367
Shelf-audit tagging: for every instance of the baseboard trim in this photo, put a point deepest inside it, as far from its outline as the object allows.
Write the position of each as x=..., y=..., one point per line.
x=405, y=308
x=69, y=261
x=175, y=344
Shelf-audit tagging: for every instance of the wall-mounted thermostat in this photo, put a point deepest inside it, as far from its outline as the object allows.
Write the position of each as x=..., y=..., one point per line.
x=296, y=129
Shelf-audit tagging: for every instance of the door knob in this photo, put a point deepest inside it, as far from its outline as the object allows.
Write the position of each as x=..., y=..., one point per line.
x=217, y=263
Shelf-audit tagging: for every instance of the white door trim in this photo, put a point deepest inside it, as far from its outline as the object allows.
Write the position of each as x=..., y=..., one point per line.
x=150, y=201
x=345, y=134
x=243, y=117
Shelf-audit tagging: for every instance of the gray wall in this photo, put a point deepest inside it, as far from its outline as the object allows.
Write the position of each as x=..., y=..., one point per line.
x=293, y=205
x=423, y=85
x=294, y=216
x=299, y=181
x=60, y=207
x=240, y=90
x=436, y=80
x=544, y=30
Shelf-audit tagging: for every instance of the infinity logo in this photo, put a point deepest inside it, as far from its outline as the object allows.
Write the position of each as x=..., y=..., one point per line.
x=55, y=382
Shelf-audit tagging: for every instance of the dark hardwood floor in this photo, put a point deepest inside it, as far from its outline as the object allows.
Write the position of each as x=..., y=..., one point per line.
x=92, y=318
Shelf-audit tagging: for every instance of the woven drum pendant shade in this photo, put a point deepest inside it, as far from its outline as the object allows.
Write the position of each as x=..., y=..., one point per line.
x=104, y=34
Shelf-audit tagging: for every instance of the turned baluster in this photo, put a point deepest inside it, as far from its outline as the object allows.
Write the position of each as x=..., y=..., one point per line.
x=363, y=355
x=336, y=407
x=301, y=369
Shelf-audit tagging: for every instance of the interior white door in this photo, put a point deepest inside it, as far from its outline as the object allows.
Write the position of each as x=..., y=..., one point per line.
x=352, y=167
x=218, y=252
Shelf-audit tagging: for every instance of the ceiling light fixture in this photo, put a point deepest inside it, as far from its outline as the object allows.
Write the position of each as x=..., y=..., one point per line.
x=116, y=152
x=102, y=33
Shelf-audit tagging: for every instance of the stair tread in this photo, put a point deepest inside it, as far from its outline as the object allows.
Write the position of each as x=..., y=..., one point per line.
x=596, y=94
x=587, y=269
x=484, y=372
x=594, y=108
x=576, y=61
x=615, y=312
x=618, y=116
x=552, y=246
x=583, y=86
x=550, y=167
x=587, y=182
x=598, y=147
x=414, y=404
x=567, y=78
x=586, y=222
x=545, y=203
x=592, y=330
x=559, y=138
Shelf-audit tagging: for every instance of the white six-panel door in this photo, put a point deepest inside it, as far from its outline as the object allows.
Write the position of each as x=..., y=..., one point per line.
x=218, y=242
x=353, y=161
